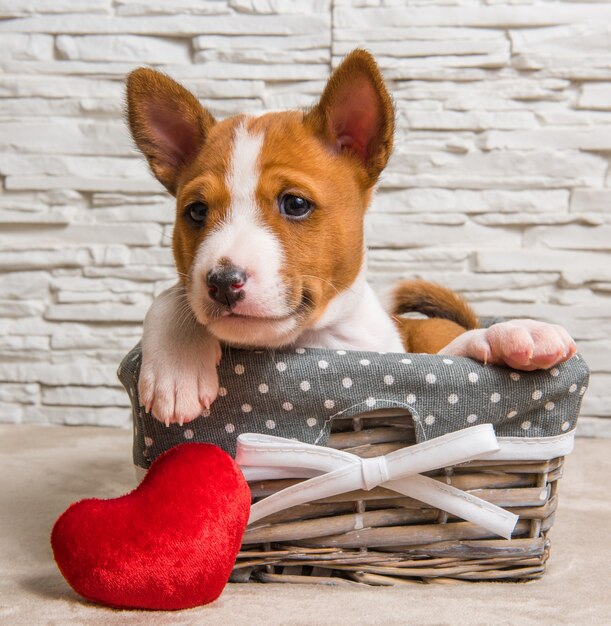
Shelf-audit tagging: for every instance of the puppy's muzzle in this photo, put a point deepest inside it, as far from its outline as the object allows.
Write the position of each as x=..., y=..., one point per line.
x=226, y=285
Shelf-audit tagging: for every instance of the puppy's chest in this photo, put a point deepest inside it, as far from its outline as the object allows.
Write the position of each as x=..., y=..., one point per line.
x=354, y=320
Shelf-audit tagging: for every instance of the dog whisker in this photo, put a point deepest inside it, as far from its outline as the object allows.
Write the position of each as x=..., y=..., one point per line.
x=331, y=284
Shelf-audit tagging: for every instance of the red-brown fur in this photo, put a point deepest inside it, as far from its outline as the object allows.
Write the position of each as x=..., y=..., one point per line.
x=449, y=315
x=307, y=153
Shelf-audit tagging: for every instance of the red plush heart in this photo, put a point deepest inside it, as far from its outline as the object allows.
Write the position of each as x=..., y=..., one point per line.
x=169, y=544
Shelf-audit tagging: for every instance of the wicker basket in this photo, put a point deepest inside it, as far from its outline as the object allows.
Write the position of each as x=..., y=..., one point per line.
x=382, y=538
x=379, y=536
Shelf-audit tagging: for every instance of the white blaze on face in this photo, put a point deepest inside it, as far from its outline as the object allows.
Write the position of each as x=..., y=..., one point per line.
x=243, y=238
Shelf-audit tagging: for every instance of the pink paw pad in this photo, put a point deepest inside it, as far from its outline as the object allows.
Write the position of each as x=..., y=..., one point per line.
x=520, y=344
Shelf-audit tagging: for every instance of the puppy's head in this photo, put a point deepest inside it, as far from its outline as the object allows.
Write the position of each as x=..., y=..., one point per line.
x=269, y=209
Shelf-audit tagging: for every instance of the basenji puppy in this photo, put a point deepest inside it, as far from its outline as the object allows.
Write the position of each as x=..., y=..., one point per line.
x=269, y=245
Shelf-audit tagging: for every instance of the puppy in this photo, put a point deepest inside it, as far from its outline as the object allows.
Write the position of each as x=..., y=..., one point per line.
x=269, y=245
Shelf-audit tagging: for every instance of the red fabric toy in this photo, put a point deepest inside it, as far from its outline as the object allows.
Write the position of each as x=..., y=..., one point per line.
x=169, y=544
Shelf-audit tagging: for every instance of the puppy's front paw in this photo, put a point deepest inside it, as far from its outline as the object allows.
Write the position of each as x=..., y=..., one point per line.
x=178, y=390
x=521, y=344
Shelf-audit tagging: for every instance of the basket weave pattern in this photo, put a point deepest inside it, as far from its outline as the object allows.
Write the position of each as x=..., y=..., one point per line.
x=381, y=537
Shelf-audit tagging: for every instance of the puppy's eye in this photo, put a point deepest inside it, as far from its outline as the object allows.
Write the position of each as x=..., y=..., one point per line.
x=294, y=207
x=196, y=212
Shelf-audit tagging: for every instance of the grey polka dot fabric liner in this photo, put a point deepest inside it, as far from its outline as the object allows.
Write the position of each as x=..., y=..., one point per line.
x=297, y=393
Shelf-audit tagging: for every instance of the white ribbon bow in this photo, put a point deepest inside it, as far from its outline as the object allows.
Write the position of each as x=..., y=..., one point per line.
x=263, y=457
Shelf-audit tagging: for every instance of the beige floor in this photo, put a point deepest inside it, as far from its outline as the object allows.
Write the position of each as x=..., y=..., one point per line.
x=44, y=469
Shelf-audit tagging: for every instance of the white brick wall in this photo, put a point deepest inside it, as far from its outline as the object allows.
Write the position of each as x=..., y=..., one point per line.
x=498, y=187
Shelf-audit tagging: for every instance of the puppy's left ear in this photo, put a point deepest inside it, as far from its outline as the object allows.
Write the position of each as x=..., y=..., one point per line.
x=355, y=114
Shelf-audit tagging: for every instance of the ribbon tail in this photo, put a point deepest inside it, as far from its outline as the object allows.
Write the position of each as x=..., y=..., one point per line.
x=324, y=486
x=457, y=502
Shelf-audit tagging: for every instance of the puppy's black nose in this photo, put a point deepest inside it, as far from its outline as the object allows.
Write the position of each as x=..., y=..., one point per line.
x=226, y=284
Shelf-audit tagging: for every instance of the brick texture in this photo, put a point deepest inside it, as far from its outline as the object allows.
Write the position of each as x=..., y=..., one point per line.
x=499, y=185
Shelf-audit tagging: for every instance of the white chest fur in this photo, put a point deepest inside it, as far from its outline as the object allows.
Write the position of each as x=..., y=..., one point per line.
x=354, y=320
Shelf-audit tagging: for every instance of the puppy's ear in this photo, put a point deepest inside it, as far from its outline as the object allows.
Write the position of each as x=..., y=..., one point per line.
x=167, y=123
x=355, y=113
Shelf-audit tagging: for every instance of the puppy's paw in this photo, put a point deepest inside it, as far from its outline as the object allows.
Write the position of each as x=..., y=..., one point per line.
x=176, y=389
x=521, y=344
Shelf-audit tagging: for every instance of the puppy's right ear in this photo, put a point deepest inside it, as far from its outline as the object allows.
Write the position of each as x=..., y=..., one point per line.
x=167, y=122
